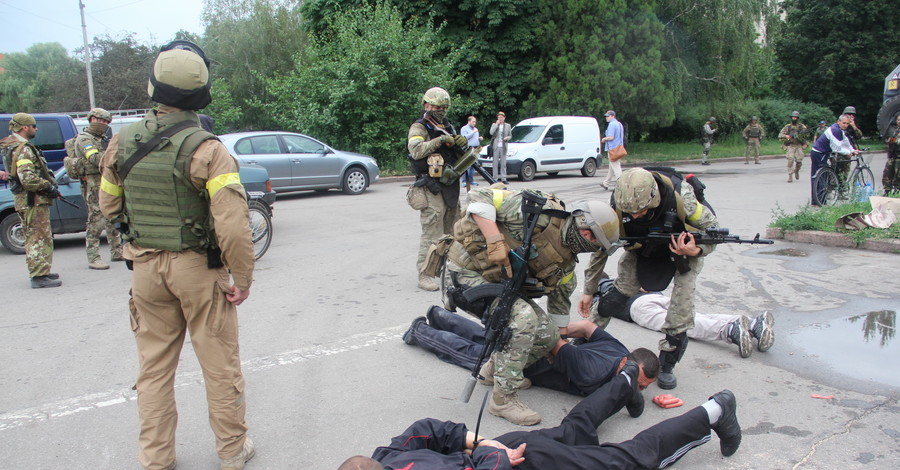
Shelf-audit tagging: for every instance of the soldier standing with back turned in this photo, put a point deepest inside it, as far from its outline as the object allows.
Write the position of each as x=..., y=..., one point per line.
x=89, y=149
x=34, y=189
x=794, y=139
x=431, y=141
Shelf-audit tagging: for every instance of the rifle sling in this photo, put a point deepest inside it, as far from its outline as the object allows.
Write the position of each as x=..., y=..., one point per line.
x=151, y=144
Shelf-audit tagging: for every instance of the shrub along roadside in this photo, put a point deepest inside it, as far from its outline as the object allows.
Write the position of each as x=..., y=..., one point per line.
x=822, y=219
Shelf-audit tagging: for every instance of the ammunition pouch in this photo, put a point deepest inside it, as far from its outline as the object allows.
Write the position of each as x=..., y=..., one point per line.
x=436, y=255
x=449, y=176
x=415, y=195
x=435, y=165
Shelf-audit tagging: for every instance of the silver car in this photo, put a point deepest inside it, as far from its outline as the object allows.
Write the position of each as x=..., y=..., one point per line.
x=297, y=162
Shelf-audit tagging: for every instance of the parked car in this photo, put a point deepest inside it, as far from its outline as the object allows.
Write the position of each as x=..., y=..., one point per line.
x=52, y=133
x=67, y=219
x=297, y=162
x=549, y=145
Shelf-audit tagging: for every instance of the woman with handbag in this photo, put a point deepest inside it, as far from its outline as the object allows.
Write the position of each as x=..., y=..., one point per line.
x=615, y=149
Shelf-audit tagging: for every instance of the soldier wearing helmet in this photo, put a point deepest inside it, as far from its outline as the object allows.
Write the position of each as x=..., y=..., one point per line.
x=706, y=138
x=649, y=201
x=433, y=146
x=794, y=139
x=752, y=134
x=34, y=188
x=178, y=190
x=854, y=131
x=479, y=254
x=86, y=151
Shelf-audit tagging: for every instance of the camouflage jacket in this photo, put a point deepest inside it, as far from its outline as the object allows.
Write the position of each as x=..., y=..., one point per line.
x=794, y=134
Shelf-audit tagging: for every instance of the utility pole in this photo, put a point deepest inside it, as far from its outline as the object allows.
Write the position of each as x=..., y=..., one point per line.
x=87, y=56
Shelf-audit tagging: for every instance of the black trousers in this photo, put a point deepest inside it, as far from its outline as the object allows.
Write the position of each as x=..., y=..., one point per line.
x=574, y=443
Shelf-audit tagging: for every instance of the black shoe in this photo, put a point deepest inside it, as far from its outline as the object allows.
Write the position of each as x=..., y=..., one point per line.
x=635, y=405
x=666, y=379
x=727, y=427
x=705, y=163
x=53, y=276
x=408, y=337
x=39, y=282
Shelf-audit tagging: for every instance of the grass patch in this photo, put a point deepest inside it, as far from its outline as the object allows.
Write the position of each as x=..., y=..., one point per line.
x=822, y=219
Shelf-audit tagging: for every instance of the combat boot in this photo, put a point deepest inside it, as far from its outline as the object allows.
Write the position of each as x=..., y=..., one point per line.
x=487, y=371
x=727, y=427
x=509, y=407
x=98, y=264
x=739, y=334
x=427, y=283
x=237, y=462
x=39, y=282
x=797, y=174
x=763, y=330
x=790, y=177
x=668, y=359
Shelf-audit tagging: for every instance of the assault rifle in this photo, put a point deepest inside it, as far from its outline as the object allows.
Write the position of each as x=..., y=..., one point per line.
x=63, y=199
x=496, y=319
x=711, y=236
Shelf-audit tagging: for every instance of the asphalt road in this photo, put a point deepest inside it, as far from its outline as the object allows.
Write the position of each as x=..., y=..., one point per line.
x=328, y=376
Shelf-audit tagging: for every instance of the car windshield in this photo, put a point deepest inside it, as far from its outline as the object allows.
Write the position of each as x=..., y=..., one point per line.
x=525, y=134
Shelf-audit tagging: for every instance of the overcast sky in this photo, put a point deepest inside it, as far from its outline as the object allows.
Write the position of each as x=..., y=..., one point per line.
x=153, y=21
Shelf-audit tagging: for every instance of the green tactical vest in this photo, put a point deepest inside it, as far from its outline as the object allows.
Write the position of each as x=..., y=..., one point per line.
x=165, y=211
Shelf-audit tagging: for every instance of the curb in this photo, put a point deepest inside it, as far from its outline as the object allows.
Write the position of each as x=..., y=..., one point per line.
x=839, y=240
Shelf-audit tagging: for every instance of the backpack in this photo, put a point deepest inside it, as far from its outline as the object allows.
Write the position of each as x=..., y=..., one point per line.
x=74, y=165
x=678, y=178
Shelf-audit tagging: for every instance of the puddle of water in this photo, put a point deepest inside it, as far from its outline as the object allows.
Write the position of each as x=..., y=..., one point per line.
x=785, y=252
x=861, y=346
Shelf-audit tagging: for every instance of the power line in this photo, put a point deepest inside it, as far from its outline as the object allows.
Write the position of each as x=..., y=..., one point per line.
x=37, y=15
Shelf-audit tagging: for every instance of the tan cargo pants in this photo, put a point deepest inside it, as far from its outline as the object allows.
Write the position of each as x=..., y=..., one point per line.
x=173, y=293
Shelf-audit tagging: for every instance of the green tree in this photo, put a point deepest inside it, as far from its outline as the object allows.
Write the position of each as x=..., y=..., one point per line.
x=594, y=56
x=120, y=68
x=249, y=41
x=837, y=53
x=36, y=81
x=358, y=84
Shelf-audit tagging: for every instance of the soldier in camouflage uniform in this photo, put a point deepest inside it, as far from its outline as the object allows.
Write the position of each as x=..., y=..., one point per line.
x=890, y=178
x=479, y=254
x=433, y=145
x=34, y=188
x=89, y=145
x=752, y=134
x=820, y=130
x=649, y=201
x=706, y=137
x=794, y=139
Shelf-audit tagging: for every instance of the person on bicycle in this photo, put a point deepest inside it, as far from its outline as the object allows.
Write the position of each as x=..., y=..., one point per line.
x=835, y=139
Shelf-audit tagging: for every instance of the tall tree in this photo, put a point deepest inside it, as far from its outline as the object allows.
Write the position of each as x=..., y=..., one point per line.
x=593, y=56
x=41, y=79
x=837, y=53
x=120, y=68
x=359, y=83
x=249, y=41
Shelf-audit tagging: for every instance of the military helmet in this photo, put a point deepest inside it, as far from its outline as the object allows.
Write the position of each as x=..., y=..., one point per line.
x=437, y=96
x=795, y=114
x=20, y=120
x=599, y=218
x=849, y=110
x=712, y=119
x=100, y=113
x=753, y=118
x=635, y=191
x=180, y=76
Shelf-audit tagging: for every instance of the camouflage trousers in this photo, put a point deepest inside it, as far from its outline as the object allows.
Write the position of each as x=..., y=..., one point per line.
x=680, y=316
x=752, y=148
x=96, y=223
x=38, y=239
x=795, y=156
x=533, y=336
x=437, y=219
x=890, y=178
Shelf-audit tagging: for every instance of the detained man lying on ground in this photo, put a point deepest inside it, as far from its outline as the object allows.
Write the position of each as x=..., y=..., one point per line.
x=573, y=445
x=578, y=368
x=649, y=309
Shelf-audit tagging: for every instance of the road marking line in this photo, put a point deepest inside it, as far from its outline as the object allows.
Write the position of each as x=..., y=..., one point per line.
x=93, y=401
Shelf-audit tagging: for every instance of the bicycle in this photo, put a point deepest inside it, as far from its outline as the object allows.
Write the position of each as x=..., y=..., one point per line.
x=830, y=185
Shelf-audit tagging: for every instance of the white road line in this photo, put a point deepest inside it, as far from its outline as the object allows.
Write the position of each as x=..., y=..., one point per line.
x=93, y=401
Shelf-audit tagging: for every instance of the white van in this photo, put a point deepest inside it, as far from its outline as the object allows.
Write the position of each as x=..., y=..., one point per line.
x=549, y=145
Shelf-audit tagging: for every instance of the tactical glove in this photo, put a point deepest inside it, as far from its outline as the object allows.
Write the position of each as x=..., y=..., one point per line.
x=461, y=141
x=498, y=253
x=52, y=192
x=447, y=139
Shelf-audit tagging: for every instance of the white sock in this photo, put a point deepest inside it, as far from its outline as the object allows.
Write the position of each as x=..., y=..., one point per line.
x=714, y=410
x=627, y=377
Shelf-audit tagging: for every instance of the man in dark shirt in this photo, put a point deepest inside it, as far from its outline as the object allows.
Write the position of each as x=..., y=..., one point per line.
x=578, y=368
x=573, y=445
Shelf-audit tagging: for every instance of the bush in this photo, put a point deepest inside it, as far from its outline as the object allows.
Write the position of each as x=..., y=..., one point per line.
x=823, y=219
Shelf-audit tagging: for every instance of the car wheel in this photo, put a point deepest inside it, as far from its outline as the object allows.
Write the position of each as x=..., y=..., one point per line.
x=12, y=235
x=589, y=168
x=355, y=181
x=526, y=173
x=260, y=228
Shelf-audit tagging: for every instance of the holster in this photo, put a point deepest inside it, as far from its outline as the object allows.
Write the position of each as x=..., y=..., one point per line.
x=436, y=255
